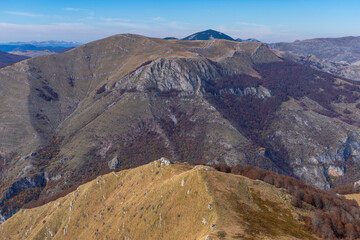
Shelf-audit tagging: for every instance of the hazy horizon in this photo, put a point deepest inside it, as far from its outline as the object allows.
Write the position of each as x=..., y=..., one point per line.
x=267, y=21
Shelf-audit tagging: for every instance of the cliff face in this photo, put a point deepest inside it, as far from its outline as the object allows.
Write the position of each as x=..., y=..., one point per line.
x=161, y=201
x=117, y=101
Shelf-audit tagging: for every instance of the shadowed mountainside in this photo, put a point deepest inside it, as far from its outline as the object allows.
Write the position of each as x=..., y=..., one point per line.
x=8, y=59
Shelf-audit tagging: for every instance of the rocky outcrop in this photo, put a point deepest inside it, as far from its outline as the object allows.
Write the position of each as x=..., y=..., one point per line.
x=114, y=163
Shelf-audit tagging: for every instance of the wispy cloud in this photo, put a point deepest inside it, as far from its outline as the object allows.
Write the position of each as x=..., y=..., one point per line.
x=75, y=9
x=25, y=14
x=115, y=19
x=73, y=31
x=250, y=24
x=157, y=19
x=132, y=25
x=126, y=23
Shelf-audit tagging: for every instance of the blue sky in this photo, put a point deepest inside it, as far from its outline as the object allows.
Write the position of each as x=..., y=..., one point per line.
x=266, y=20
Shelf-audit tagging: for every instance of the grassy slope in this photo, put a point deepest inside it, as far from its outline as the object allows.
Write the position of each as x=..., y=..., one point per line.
x=155, y=201
x=355, y=196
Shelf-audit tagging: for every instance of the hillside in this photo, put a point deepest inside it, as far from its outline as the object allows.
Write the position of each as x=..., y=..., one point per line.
x=160, y=201
x=8, y=59
x=123, y=101
x=37, y=53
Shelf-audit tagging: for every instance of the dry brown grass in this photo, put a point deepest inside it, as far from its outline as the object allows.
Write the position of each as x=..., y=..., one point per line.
x=163, y=202
x=355, y=196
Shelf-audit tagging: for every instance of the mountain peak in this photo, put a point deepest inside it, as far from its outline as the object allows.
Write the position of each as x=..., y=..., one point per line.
x=209, y=34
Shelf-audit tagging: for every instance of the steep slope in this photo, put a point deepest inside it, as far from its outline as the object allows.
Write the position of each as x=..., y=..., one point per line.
x=160, y=201
x=208, y=35
x=8, y=59
x=112, y=103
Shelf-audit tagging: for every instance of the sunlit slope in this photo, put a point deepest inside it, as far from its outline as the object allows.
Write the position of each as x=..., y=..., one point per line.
x=160, y=201
x=355, y=196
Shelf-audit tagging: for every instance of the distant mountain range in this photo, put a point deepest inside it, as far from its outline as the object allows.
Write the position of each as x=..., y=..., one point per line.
x=36, y=46
x=48, y=43
x=344, y=49
x=253, y=40
x=339, y=56
x=13, y=52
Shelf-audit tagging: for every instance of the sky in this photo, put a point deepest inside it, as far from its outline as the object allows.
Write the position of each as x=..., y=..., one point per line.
x=265, y=20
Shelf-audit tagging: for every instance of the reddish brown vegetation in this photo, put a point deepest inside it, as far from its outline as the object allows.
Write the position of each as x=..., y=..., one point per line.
x=142, y=65
x=44, y=154
x=347, y=189
x=288, y=79
x=334, y=217
x=253, y=116
x=19, y=200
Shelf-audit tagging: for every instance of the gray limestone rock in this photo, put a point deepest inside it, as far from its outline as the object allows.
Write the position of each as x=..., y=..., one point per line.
x=114, y=163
